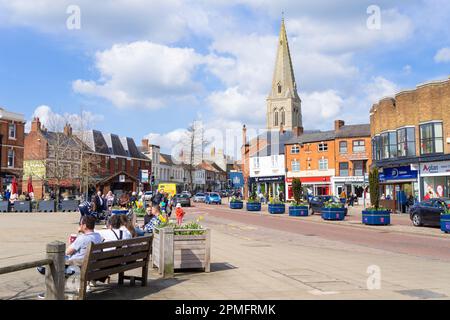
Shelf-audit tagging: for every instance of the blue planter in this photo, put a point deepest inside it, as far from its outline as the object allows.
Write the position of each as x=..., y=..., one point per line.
x=113, y=212
x=236, y=205
x=22, y=206
x=376, y=218
x=46, y=206
x=333, y=214
x=277, y=208
x=445, y=223
x=5, y=206
x=301, y=211
x=253, y=206
x=343, y=200
x=69, y=205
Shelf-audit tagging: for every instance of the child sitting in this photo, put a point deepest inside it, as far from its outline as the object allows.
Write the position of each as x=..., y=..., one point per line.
x=179, y=213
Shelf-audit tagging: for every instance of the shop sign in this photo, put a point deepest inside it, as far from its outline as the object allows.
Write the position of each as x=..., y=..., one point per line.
x=267, y=179
x=237, y=179
x=435, y=167
x=398, y=173
x=144, y=176
x=122, y=178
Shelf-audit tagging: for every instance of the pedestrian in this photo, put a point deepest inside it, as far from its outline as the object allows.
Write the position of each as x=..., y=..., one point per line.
x=351, y=199
x=180, y=214
x=281, y=196
x=99, y=203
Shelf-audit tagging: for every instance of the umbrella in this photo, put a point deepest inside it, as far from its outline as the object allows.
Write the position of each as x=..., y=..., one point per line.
x=14, y=186
x=30, y=186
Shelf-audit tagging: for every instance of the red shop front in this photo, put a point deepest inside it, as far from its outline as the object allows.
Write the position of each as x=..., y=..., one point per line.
x=318, y=186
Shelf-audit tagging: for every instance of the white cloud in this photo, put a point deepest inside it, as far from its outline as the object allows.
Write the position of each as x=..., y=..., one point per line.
x=443, y=55
x=54, y=121
x=143, y=74
x=320, y=106
x=378, y=89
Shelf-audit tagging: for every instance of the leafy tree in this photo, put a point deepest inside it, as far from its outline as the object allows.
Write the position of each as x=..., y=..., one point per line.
x=374, y=184
x=297, y=189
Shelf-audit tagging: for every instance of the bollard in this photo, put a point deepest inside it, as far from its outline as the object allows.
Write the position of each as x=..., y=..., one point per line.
x=55, y=273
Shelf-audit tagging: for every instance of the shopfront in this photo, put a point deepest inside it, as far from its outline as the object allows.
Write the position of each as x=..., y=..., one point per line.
x=350, y=185
x=271, y=185
x=318, y=186
x=435, y=180
x=398, y=184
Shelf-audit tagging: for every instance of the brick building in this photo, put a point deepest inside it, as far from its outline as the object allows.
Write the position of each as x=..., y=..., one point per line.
x=330, y=162
x=12, y=135
x=411, y=143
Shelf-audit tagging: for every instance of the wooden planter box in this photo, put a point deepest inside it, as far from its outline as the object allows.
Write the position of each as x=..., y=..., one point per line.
x=333, y=213
x=277, y=208
x=5, y=206
x=46, y=206
x=22, y=206
x=236, y=205
x=301, y=211
x=172, y=252
x=253, y=206
x=376, y=218
x=69, y=205
x=445, y=223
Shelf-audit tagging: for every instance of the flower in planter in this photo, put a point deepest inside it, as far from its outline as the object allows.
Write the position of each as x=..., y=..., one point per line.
x=253, y=198
x=330, y=204
x=275, y=201
x=379, y=209
x=235, y=199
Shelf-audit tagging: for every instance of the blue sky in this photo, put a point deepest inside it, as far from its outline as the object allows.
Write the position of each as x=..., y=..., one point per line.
x=149, y=68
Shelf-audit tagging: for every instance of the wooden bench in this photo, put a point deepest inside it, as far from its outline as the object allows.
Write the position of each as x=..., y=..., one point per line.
x=114, y=257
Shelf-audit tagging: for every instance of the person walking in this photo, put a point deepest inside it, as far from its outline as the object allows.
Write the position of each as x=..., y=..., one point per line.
x=179, y=212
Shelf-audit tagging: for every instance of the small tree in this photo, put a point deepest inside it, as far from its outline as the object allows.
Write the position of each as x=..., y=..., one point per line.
x=297, y=189
x=374, y=184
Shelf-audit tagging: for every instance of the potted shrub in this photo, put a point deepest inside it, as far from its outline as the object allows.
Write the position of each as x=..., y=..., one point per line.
x=375, y=215
x=276, y=207
x=236, y=203
x=445, y=220
x=298, y=208
x=333, y=211
x=253, y=203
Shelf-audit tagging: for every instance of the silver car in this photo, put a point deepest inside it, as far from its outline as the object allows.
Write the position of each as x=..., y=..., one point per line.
x=200, y=197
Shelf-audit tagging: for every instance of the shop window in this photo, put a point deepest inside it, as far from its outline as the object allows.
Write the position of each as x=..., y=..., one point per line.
x=323, y=164
x=323, y=147
x=406, y=142
x=343, y=169
x=295, y=165
x=359, y=146
x=343, y=147
x=431, y=138
x=389, y=145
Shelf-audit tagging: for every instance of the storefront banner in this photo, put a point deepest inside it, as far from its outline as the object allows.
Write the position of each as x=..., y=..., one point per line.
x=435, y=168
x=266, y=179
x=398, y=173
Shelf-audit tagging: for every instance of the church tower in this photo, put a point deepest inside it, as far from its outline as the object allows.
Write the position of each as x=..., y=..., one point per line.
x=283, y=103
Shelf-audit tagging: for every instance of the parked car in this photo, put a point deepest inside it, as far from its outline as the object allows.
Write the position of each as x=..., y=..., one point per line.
x=428, y=212
x=187, y=193
x=316, y=203
x=223, y=193
x=148, y=195
x=183, y=199
x=213, y=197
x=200, y=197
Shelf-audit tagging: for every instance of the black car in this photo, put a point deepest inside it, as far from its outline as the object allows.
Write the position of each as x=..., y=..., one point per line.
x=316, y=203
x=183, y=199
x=428, y=212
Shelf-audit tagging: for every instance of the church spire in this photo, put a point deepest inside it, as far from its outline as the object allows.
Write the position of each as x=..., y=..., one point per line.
x=283, y=82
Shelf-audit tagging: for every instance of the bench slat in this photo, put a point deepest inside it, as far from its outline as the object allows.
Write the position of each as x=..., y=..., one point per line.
x=106, y=272
x=116, y=261
x=119, y=252
x=120, y=243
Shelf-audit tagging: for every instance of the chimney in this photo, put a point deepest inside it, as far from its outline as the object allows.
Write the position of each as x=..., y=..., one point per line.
x=144, y=144
x=244, y=135
x=68, y=130
x=338, y=124
x=298, y=131
x=36, y=125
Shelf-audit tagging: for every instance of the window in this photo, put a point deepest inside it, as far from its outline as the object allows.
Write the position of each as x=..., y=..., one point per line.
x=68, y=155
x=389, y=145
x=359, y=146
x=107, y=164
x=358, y=168
x=256, y=163
x=295, y=165
x=279, y=88
x=10, y=158
x=274, y=161
x=431, y=138
x=283, y=118
x=343, y=169
x=12, y=131
x=295, y=150
x=323, y=164
x=343, y=147
x=116, y=163
x=124, y=164
x=276, y=118
x=75, y=171
x=51, y=152
x=323, y=147
x=406, y=140
x=75, y=155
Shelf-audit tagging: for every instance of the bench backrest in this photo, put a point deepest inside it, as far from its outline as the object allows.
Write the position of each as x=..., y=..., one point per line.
x=114, y=257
